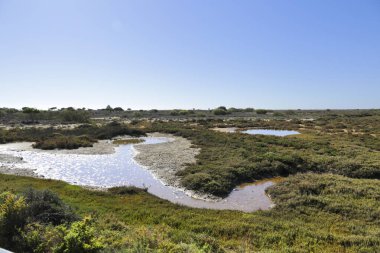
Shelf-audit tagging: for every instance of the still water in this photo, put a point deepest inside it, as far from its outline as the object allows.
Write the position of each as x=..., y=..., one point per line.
x=120, y=168
x=270, y=132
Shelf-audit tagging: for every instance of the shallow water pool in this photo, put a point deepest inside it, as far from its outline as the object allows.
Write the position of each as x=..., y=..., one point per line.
x=120, y=168
x=270, y=132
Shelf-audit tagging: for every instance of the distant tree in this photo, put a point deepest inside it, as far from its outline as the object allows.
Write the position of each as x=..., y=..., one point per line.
x=31, y=112
x=109, y=108
x=2, y=113
x=118, y=109
x=233, y=109
x=75, y=116
x=261, y=111
x=220, y=112
x=249, y=109
x=222, y=108
x=52, y=109
x=10, y=110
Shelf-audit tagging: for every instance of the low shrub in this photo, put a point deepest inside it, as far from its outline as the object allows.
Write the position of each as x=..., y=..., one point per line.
x=64, y=142
x=126, y=190
x=46, y=207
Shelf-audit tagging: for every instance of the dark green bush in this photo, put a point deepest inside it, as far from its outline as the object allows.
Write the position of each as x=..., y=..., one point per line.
x=261, y=111
x=46, y=207
x=126, y=190
x=64, y=142
x=76, y=116
x=220, y=112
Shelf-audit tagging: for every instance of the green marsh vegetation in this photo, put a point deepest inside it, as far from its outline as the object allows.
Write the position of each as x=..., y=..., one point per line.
x=328, y=201
x=227, y=160
x=135, y=221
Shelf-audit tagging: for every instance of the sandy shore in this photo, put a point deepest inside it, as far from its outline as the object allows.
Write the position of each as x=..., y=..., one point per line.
x=166, y=159
x=225, y=129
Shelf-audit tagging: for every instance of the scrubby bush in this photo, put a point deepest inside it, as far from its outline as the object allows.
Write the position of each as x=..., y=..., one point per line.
x=232, y=109
x=36, y=221
x=77, y=116
x=220, y=112
x=64, y=142
x=79, y=238
x=118, y=109
x=261, y=111
x=181, y=112
x=46, y=207
x=12, y=217
x=126, y=190
x=137, y=115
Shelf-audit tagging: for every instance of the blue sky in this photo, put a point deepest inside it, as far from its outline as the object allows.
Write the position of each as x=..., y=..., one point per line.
x=190, y=54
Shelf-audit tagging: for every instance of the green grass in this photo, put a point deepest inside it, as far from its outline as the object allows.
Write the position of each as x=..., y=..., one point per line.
x=313, y=213
x=333, y=209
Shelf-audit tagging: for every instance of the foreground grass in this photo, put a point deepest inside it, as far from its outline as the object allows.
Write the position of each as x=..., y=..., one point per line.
x=313, y=213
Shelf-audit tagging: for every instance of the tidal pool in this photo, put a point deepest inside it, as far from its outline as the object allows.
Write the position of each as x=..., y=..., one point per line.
x=120, y=169
x=270, y=132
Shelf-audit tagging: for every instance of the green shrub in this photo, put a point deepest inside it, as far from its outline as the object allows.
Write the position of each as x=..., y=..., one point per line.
x=77, y=116
x=118, y=109
x=80, y=238
x=261, y=111
x=46, y=207
x=12, y=217
x=220, y=112
x=126, y=190
x=64, y=142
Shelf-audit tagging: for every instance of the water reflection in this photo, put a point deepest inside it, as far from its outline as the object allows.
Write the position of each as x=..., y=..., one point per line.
x=120, y=168
x=270, y=132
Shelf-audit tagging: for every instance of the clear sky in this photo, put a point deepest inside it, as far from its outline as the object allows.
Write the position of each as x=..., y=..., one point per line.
x=190, y=53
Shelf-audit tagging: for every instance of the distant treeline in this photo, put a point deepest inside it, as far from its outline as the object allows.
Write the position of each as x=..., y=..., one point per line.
x=29, y=115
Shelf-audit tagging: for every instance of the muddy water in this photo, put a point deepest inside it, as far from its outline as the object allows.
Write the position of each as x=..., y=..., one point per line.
x=120, y=168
